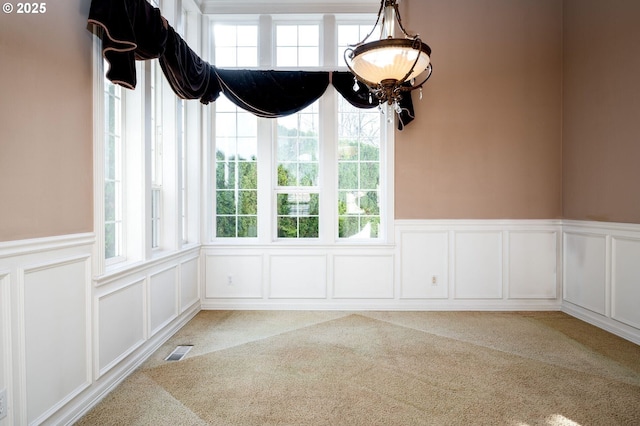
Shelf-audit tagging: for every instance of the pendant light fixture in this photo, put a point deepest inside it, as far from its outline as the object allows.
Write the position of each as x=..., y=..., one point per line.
x=389, y=66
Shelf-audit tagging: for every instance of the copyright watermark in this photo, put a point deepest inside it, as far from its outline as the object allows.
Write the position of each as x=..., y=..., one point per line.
x=25, y=8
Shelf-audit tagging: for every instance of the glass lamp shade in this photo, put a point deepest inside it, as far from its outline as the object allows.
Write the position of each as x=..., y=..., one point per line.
x=390, y=59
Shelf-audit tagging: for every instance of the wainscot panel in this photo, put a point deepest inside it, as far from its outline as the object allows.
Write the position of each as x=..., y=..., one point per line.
x=120, y=322
x=533, y=265
x=163, y=298
x=189, y=288
x=625, y=281
x=56, y=330
x=478, y=265
x=602, y=275
x=233, y=276
x=293, y=277
x=363, y=277
x=424, y=265
x=585, y=271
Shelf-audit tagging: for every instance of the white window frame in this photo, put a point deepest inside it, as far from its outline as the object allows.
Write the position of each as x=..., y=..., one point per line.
x=179, y=215
x=267, y=215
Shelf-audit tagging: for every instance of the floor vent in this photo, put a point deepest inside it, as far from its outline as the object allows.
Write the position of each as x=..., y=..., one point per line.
x=179, y=353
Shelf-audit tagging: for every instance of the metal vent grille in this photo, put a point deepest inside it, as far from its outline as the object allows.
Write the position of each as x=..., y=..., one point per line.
x=178, y=353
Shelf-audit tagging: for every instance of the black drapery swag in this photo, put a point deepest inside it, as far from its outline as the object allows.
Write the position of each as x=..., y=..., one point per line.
x=134, y=30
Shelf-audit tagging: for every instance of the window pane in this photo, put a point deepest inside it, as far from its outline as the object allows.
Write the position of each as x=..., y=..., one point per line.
x=226, y=57
x=287, y=35
x=358, y=172
x=347, y=175
x=248, y=202
x=308, y=57
x=287, y=149
x=248, y=226
x=308, y=173
x=298, y=152
x=287, y=227
x=287, y=174
x=110, y=240
x=308, y=227
x=369, y=175
x=246, y=56
x=287, y=56
x=226, y=226
x=247, y=35
x=225, y=202
x=112, y=170
x=297, y=45
x=298, y=215
x=235, y=45
x=248, y=175
x=224, y=35
x=308, y=35
x=225, y=175
x=236, y=140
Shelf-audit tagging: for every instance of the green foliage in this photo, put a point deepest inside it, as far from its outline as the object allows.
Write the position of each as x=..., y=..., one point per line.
x=236, y=196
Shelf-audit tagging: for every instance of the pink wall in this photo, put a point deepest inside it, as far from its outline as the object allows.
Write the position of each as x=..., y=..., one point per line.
x=492, y=138
x=46, y=122
x=601, y=115
x=486, y=141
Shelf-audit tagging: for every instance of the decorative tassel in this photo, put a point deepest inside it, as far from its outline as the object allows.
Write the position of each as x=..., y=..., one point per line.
x=356, y=86
x=420, y=92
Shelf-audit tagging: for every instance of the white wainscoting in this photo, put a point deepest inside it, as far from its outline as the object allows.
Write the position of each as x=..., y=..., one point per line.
x=298, y=277
x=68, y=338
x=480, y=264
x=602, y=275
x=488, y=265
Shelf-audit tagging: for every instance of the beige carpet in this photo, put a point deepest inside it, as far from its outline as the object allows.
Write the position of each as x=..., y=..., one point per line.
x=383, y=368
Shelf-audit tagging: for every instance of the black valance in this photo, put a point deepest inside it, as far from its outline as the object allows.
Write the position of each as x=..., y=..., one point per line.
x=132, y=30
x=135, y=30
x=189, y=76
x=272, y=93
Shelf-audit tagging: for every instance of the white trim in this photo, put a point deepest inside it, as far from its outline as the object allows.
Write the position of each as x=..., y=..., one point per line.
x=39, y=245
x=230, y=7
x=608, y=324
x=609, y=232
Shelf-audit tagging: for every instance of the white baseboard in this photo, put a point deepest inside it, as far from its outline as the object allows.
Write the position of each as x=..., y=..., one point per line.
x=612, y=326
x=601, y=278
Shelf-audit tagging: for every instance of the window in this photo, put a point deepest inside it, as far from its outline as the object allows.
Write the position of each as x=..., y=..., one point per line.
x=297, y=45
x=113, y=158
x=236, y=171
x=358, y=172
x=236, y=140
x=298, y=171
x=143, y=168
x=155, y=146
x=317, y=176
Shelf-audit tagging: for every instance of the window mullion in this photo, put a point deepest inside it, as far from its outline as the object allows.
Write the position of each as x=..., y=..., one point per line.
x=266, y=42
x=328, y=170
